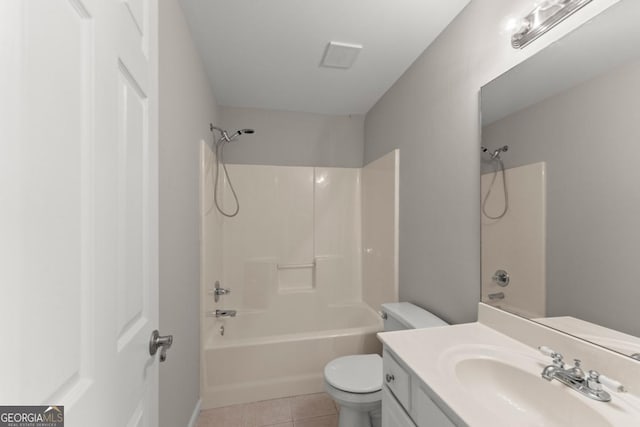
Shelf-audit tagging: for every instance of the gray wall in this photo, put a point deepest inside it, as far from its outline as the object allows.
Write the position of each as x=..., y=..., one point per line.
x=285, y=138
x=589, y=136
x=431, y=115
x=186, y=108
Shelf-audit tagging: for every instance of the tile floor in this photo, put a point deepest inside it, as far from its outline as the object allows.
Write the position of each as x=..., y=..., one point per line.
x=311, y=410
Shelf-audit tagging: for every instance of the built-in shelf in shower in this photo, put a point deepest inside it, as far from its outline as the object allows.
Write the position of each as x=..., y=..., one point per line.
x=296, y=277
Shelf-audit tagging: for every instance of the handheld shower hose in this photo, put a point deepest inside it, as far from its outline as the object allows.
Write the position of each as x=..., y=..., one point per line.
x=219, y=146
x=495, y=156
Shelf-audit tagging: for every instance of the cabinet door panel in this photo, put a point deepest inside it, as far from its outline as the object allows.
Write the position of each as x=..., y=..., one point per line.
x=392, y=413
x=425, y=412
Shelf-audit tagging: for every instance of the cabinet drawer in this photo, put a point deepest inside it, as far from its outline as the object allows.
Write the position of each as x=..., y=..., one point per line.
x=397, y=379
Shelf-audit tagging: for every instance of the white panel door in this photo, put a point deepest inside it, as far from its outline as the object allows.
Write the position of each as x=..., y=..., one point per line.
x=78, y=208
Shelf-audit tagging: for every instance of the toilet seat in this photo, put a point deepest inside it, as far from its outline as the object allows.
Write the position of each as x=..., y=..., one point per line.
x=355, y=374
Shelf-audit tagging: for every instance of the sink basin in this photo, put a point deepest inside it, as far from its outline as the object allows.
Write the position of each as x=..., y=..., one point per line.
x=518, y=394
x=506, y=383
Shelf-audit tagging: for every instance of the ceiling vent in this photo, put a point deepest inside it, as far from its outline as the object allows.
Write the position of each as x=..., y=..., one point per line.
x=340, y=55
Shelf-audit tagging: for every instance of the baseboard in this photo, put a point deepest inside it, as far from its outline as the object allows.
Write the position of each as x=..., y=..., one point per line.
x=196, y=413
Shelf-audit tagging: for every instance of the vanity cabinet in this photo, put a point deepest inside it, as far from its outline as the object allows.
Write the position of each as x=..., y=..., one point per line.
x=405, y=400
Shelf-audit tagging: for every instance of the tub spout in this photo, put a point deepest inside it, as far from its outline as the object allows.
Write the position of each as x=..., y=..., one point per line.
x=224, y=313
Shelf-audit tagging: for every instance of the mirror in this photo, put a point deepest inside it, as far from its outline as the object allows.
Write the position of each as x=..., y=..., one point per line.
x=561, y=240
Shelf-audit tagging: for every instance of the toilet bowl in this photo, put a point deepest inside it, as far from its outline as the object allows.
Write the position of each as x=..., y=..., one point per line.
x=355, y=382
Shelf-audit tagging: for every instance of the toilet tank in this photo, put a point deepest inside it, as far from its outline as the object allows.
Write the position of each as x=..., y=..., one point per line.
x=404, y=315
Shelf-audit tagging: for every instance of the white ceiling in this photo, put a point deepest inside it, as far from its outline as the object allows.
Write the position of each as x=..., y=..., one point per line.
x=266, y=53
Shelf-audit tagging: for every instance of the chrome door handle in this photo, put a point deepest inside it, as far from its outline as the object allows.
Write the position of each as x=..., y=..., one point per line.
x=157, y=341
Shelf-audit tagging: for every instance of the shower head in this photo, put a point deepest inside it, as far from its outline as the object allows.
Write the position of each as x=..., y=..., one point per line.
x=240, y=132
x=224, y=135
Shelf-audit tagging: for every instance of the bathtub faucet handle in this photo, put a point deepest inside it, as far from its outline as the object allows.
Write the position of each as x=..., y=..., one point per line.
x=219, y=291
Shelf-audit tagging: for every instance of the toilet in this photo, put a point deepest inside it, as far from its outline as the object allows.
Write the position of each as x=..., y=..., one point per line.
x=355, y=382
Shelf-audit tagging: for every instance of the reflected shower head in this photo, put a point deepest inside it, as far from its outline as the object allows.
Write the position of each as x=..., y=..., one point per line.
x=496, y=153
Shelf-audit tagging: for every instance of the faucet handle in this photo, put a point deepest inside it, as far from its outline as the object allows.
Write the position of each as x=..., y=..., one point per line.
x=218, y=291
x=557, y=357
x=597, y=380
x=546, y=350
x=612, y=384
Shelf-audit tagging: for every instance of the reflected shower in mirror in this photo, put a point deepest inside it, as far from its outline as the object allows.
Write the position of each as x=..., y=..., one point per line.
x=566, y=252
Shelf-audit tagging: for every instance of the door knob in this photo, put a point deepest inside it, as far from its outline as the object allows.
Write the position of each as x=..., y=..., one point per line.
x=158, y=341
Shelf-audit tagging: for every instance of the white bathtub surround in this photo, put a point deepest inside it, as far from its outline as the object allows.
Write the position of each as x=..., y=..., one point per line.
x=296, y=240
x=380, y=194
x=293, y=261
x=516, y=242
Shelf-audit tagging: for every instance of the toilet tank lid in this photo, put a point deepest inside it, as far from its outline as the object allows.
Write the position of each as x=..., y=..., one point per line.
x=412, y=316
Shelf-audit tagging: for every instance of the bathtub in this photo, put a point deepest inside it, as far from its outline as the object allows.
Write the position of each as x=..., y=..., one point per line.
x=266, y=355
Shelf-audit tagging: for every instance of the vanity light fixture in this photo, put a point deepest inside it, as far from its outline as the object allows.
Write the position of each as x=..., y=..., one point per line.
x=546, y=15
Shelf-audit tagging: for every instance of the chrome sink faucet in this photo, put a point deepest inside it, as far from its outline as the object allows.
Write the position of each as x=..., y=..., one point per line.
x=574, y=377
